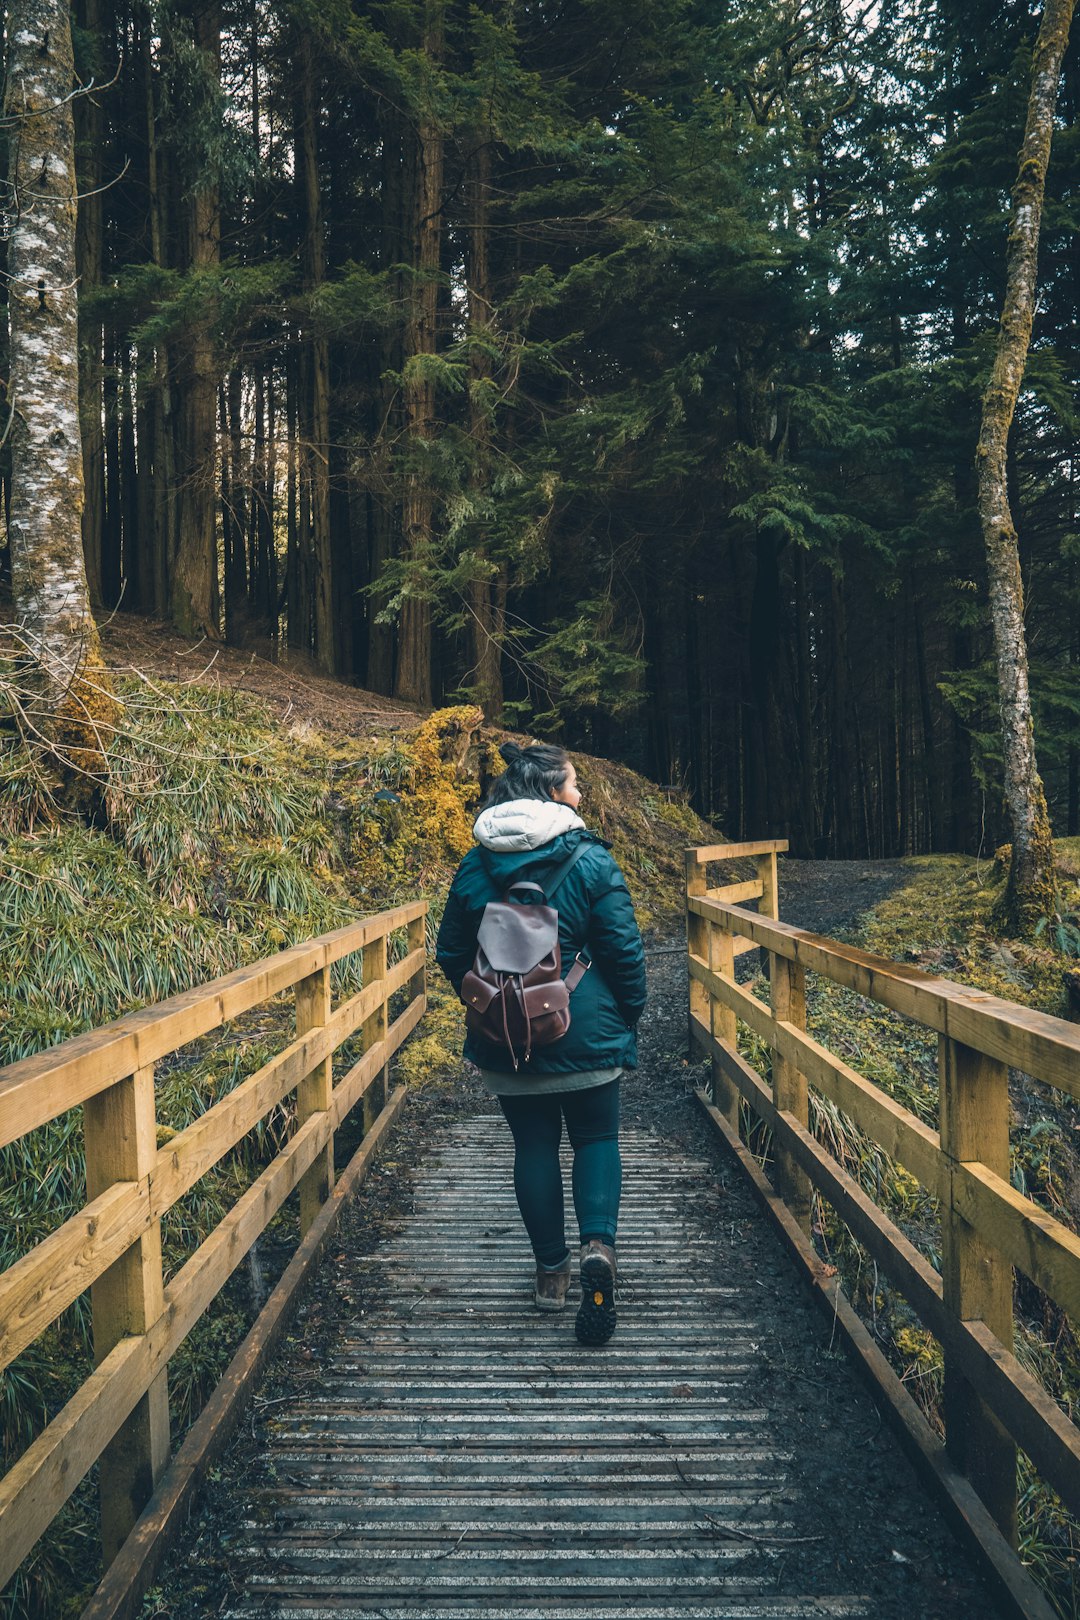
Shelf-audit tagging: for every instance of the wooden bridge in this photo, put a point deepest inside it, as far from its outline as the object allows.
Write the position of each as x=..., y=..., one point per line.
x=458, y=1455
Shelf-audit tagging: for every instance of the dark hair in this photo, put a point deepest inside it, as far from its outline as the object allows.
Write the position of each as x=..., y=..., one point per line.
x=531, y=773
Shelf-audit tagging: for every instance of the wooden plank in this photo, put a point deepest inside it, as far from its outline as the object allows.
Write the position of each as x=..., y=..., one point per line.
x=1041, y=1045
x=46, y=1281
x=733, y=894
x=39, y=1088
x=769, y=879
x=120, y=1593
x=373, y=1030
x=967, y=1514
x=313, y=1094
x=734, y=852
x=697, y=944
x=722, y=1021
x=977, y=1278
x=354, y=1085
x=787, y=992
x=199, y=1146
x=903, y=1135
x=1032, y=1240
x=120, y=1132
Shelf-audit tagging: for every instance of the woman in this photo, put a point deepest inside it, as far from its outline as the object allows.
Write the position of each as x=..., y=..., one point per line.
x=527, y=831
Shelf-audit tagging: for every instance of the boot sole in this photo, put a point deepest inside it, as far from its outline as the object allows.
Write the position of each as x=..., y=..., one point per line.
x=596, y=1314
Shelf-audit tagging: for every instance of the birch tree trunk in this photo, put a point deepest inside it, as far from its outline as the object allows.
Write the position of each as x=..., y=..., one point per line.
x=1030, y=888
x=71, y=709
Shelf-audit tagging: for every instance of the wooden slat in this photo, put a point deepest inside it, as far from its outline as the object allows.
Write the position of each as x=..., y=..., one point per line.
x=733, y=894
x=46, y=1281
x=1033, y=1241
x=353, y=1085
x=733, y=852
x=753, y=1012
x=1036, y=1423
x=901, y=1134
x=313, y=1095
x=1046, y=1047
x=39, y=1088
x=199, y=1146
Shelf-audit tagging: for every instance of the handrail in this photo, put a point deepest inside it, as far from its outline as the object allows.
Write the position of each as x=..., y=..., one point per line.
x=991, y=1404
x=113, y=1245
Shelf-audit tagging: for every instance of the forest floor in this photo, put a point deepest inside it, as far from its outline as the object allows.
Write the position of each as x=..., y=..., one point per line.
x=292, y=687
x=860, y=1520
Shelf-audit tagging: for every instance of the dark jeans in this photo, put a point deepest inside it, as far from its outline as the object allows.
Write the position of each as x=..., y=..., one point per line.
x=592, y=1124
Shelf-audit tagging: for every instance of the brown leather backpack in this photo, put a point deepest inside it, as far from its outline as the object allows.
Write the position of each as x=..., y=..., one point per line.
x=515, y=995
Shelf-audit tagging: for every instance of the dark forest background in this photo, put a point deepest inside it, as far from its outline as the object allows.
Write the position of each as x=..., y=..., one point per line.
x=616, y=365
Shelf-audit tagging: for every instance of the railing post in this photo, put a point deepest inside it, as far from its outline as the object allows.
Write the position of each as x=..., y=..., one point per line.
x=723, y=1022
x=120, y=1136
x=769, y=904
x=977, y=1280
x=417, y=941
x=787, y=989
x=698, y=945
x=373, y=1029
x=314, y=1094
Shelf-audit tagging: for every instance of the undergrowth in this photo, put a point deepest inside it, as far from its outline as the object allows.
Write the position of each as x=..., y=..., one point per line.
x=941, y=921
x=224, y=836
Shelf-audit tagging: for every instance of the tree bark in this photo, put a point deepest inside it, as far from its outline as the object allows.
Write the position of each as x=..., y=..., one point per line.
x=487, y=593
x=195, y=590
x=71, y=707
x=313, y=369
x=413, y=679
x=1030, y=888
x=89, y=234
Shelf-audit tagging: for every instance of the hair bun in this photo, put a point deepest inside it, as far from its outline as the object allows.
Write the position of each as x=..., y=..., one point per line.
x=510, y=751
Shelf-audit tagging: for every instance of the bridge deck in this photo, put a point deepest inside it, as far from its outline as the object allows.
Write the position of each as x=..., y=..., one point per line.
x=457, y=1456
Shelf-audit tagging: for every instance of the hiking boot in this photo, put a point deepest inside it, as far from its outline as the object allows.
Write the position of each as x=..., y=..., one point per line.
x=552, y=1287
x=596, y=1314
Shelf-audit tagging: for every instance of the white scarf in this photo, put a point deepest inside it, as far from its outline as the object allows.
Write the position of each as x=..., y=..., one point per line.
x=521, y=824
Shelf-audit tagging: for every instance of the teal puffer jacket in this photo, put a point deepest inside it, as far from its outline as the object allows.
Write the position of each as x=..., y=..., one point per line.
x=595, y=913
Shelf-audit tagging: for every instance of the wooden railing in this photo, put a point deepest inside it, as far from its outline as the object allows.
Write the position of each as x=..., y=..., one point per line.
x=120, y=1414
x=991, y=1403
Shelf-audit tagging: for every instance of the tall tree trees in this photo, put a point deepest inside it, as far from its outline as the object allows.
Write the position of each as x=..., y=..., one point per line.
x=1030, y=890
x=69, y=709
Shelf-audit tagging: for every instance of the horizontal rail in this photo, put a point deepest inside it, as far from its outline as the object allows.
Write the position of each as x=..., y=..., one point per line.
x=1021, y=1037
x=736, y=852
x=112, y=1245
x=39, y=1088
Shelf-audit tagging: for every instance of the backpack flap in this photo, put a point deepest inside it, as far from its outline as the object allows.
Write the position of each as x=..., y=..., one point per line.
x=478, y=993
x=515, y=938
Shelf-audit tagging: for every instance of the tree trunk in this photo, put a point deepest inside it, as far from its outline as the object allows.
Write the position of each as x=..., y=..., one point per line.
x=89, y=132
x=487, y=594
x=71, y=708
x=195, y=589
x=1030, y=888
x=313, y=369
x=413, y=680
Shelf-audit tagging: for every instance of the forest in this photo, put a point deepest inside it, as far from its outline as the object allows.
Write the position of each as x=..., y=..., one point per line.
x=615, y=367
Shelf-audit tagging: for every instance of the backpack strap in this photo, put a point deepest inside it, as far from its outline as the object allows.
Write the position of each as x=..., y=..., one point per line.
x=564, y=870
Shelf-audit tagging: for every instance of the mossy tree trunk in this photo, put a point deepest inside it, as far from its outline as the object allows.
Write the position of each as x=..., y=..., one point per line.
x=1030, y=887
x=70, y=709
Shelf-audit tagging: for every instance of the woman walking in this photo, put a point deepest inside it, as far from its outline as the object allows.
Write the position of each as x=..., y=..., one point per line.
x=529, y=831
